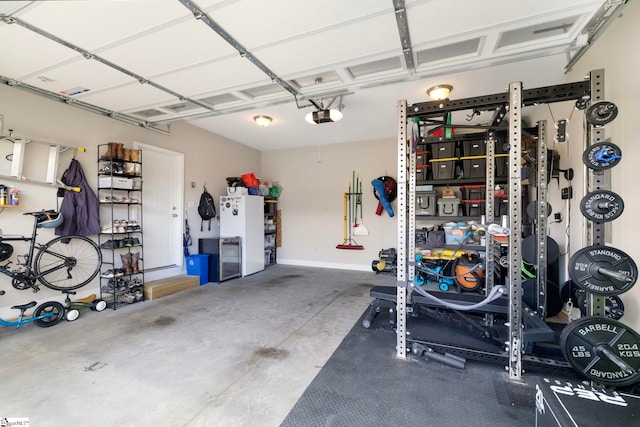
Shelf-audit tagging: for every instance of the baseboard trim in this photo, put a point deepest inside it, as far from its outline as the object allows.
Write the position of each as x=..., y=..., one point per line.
x=334, y=265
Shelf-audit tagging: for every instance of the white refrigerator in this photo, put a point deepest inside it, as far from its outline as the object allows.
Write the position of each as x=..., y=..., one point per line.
x=243, y=216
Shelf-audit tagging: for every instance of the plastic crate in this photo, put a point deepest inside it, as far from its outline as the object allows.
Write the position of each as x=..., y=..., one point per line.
x=422, y=172
x=426, y=203
x=422, y=157
x=443, y=168
x=474, y=167
x=502, y=165
x=454, y=235
x=476, y=147
x=473, y=207
x=501, y=206
x=443, y=150
x=474, y=192
x=449, y=206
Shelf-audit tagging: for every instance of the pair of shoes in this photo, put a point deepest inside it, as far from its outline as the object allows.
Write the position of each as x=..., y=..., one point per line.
x=132, y=226
x=139, y=295
x=126, y=297
x=131, y=241
x=112, y=244
x=112, y=228
x=116, y=272
x=111, y=169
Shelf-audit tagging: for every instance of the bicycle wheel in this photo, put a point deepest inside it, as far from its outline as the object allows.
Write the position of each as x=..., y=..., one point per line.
x=67, y=262
x=57, y=313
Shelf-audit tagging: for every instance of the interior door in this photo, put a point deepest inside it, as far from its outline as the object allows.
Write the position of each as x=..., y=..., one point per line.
x=162, y=196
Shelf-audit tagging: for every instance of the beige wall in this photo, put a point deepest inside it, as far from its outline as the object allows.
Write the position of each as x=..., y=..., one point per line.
x=209, y=159
x=314, y=181
x=615, y=52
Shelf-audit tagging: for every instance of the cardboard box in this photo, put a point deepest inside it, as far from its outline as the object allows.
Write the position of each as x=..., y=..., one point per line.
x=115, y=182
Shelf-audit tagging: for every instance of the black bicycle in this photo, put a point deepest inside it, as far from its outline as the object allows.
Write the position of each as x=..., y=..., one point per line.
x=63, y=263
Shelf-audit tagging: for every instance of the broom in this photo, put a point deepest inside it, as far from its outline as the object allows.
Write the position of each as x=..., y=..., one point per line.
x=360, y=229
x=348, y=242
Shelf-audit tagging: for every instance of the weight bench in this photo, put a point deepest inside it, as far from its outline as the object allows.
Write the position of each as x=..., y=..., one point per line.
x=535, y=328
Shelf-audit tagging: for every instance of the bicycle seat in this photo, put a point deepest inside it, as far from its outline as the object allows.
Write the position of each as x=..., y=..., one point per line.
x=47, y=219
x=23, y=307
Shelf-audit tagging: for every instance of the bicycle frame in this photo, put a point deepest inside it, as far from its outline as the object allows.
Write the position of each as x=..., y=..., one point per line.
x=27, y=274
x=22, y=320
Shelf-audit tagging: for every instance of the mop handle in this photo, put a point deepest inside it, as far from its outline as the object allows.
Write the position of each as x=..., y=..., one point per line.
x=344, y=225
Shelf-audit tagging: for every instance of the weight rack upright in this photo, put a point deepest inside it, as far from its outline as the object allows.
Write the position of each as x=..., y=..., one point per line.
x=511, y=103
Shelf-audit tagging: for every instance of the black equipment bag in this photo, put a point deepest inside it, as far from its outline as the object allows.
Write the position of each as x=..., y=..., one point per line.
x=206, y=208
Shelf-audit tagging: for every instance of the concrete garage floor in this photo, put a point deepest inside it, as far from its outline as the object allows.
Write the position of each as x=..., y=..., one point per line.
x=236, y=354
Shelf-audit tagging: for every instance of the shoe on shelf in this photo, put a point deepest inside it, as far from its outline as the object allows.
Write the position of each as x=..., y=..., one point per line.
x=126, y=297
x=110, y=244
x=109, y=273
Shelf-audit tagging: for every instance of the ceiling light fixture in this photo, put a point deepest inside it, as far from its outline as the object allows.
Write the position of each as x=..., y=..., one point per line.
x=439, y=92
x=263, y=121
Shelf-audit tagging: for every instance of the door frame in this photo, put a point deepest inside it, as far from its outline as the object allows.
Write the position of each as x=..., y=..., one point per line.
x=177, y=192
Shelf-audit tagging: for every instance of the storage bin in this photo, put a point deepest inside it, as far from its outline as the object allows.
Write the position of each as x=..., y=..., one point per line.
x=454, y=235
x=476, y=147
x=501, y=206
x=115, y=182
x=473, y=192
x=502, y=165
x=443, y=150
x=443, y=168
x=449, y=206
x=267, y=257
x=422, y=157
x=422, y=172
x=473, y=207
x=474, y=167
x=198, y=265
x=426, y=203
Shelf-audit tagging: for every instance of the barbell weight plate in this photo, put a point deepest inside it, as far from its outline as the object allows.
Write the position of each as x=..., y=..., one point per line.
x=614, y=308
x=602, y=156
x=602, y=206
x=530, y=250
x=601, y=113
x=603, y=350
x=532, y=210
x=603, y=270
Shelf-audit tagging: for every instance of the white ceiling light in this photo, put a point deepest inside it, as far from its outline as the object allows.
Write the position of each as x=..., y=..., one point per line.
x=263, y=121
x=439, y=92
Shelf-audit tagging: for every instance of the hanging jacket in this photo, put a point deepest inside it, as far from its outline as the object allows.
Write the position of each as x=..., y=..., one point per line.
x=79, y=209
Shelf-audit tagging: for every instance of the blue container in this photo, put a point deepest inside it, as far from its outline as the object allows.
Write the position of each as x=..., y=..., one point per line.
x=198, y=265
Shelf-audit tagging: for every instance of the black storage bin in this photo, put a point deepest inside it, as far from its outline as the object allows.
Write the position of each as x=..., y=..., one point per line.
x=476, y=147
x=473, y=207
x=502, y=165
x=443, y=168
x=473, y=192
x=422, y=157
x=443, y=150
x=422, y=172
x=474, y=167
x=501, y=206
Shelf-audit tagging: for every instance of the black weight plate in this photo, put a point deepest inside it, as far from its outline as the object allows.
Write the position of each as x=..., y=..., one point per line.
x=582, y=343
x=602, y=156
x=529, y=297
x=530, y=250
x=568, y=291
x=532, y=210
x=586, y=270
x=601, y=206
x=601, y=113
x=614, y=308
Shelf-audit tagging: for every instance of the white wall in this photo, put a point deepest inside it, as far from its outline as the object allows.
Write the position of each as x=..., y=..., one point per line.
x=616, y=53
x=314, y=180
x=209, y=159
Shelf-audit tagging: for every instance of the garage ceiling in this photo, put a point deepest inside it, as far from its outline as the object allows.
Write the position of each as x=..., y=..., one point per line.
x=218, y=63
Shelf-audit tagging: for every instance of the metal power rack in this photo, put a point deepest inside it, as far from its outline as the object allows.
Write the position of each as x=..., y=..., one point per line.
x=505, y=104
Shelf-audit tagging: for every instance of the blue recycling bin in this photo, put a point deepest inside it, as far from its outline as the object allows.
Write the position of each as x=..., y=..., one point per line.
x=198, y=265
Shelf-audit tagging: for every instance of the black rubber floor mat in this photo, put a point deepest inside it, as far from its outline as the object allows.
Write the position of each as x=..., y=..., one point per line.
x=365, y=384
